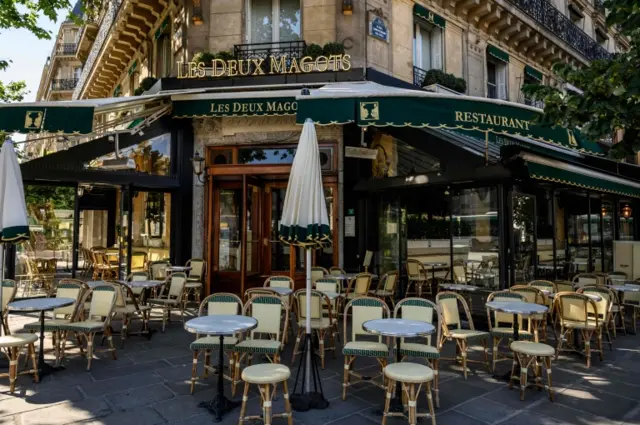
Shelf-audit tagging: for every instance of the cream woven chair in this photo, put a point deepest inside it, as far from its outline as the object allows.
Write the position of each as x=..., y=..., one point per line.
x=128, y=309
x=321, y=326
x=359, y=286
x=318, y=273
x=564, y=286
x=527, y=353
x=265, y=376
x=417, y=277
x=103, y=299
x=60, y=316
x=158, y=270
x=195, y=279
x=336, y=271
x=573, y=310
x=426, y=311
x=452, y=330
x=631, y=300
x=214, y=304
x=501, y=324
x=386, y=289
x=284, y=282
x=138, y=276
x=585, y=279
x=268, y=311
x=330, y=284
x=543, y=285
x=536, y=296
x=603, y=308
x=172, y=299
x=11, y=346
x=363, y=309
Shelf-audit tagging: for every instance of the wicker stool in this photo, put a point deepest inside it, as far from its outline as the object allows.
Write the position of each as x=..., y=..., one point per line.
x=411, y=376
x=13, y=344
x=265, y=376
x=531, y=353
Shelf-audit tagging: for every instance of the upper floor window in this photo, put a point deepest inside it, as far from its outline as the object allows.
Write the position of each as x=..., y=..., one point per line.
x=273, y=21
x=576, y=15
x=532, y=76
x=602, y=37
x=427, y=46
x=497, y=63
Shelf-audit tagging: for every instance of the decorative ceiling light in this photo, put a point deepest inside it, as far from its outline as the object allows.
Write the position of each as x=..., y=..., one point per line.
x=626, y=211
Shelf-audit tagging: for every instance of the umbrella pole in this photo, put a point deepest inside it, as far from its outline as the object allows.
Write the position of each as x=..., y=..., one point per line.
x=1, y=290
x=308, y=323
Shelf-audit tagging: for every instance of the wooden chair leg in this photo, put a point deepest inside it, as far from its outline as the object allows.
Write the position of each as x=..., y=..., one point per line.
x=387, y=400
x=13, y=367
x=194, y=371
x=345, y=378
x=34, y=363
x=432, y=411
x=243, y=408
x=287, y=403
x=89, y=350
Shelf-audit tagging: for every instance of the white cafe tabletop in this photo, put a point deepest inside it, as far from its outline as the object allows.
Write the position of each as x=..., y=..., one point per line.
x=347, y=276
x=221, y=324
x=178, y=268
x=458, y=287
x=433, y=264
x=280, y=290
x=332, y=295
x=40, y=304
x=398, y=327
x=516, y=307
x=144, y=283
x=625, y=288
x=594, y=297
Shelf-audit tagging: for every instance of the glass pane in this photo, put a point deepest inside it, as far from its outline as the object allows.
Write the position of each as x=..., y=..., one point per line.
x=523, y=223
x=152, y=156
x=266, y=156
x=626, y=214
x=151, y=229
x=289, y=20
x=230, y=205
x=393, y=219
x=475, y=235
x=607, y=232
x=116, y=256
x=544, y=240
x=426, y=48
x=48, y=252
x=577, y=210
x=279, y=251
x=253, y=229
x=261, y=21
x=324, y=256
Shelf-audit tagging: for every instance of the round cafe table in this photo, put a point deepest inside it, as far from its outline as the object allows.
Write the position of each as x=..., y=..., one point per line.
x=626, y=288
x=41, y=305
x=178, y=269
x=434, y=265
x=280, y=290
x=398, y=328
x=458, y=287
x=220, y=325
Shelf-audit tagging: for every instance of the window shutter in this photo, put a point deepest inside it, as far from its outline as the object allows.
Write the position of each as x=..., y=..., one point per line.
x=417, y=46
x=501, y=80
x=436, y=48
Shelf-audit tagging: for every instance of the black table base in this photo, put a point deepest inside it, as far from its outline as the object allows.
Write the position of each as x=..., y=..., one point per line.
x=303, y=401
x=220, y=405
x=44, y=368
x=396, y=405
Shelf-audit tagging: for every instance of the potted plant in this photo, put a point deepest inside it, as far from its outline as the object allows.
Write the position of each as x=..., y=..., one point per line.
x=313, y=50
x=145, y=85
x=450, y=81
x=333, y=49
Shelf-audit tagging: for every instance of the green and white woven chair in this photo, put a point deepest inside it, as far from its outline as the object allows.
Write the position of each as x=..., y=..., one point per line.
x=417, y=276
x=331, y=284
x=318, y=273
x=158, y=269
x=173, y=298
x=273, y=317
x=452, y=330
x=195, y=279
x=363, y=309
x=214, y=304
x=603, y=308
x=103, y=299
x=284, y=282
x=128, y=308
x=60, y=316
x=359, y=286
x=386, y=289
x=321, y=326
x=425, y=311
x=138, y=276
x=501, y=325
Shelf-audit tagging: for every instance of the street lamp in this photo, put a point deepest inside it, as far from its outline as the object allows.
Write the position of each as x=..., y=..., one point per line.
x=198, y=166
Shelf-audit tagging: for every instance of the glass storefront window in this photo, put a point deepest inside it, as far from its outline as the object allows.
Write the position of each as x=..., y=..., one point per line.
x=475, y=236
x=152, y=156
x=524, y=214
x=260, y=156
x=230, y=206
x=606, y=211
x=579, y=235
x=626, y=213
x=151, y=228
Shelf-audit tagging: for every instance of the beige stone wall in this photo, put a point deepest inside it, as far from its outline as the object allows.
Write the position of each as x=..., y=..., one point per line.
x=226, y=24
x=515, y=74
x=454, y=49
x=319, y=21
x=402, y=39
x=476, y=65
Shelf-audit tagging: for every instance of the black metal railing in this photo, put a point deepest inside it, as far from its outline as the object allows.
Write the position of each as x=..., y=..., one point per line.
x=67, y=48
x=418, y=76
x=555, y=21
x=492, y=91
x=292, y=49
x=64, y=84
x=599, y=5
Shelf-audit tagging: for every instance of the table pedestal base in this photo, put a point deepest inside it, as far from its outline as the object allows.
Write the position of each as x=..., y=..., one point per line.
x=307, y=399
x=219, y=406
x=45, y=369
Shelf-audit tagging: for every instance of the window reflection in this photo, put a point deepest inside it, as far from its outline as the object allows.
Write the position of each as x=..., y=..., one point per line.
x=152, y=156
x=257, y=156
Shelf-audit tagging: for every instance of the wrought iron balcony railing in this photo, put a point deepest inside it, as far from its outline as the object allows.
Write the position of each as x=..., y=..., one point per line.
x=599, y=5
x=555, y=21
x=64, y=84
x=67, y=48
x=293, y=49
x=418, y=76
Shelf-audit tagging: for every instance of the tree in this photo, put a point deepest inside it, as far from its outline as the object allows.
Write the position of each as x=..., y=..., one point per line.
x=610, y=98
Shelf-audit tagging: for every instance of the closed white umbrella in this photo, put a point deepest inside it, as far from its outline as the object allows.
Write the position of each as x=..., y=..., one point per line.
x=305, y=223
x=13, y=210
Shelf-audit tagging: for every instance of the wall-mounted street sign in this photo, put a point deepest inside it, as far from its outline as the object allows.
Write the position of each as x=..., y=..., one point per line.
x=272, y=65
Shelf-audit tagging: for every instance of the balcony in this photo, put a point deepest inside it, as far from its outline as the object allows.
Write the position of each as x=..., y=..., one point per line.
x=64, y=84
x=556, y=22
x=418, y=76
x=599, y=5
x=292, y=49
x=67, y=49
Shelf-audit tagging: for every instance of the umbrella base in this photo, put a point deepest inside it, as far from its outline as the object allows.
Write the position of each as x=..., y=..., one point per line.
x=305, y=400
x=308, y=401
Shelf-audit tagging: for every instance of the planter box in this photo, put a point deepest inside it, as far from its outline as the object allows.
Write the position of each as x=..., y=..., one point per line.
x=437, y=88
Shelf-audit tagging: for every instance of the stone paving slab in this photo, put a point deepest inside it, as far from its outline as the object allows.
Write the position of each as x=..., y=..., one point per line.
x=149, y=384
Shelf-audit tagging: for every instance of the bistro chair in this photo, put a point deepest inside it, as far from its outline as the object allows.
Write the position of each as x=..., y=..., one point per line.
x=173, y=298
x=416, y=276
x=363, y=309
x=337, y=271
x=585, y=279
x=451, y=323
x=534, y=295
x=631, y=300
x=425, y=311
x=268, y=310
x=195, y=279
x=214, y=304
x=411, y=376
x=329, y=284
x=158, y=270
x=321, y=326
x=501, y=324
x=573, y=310
x=9, y=291
x=102, y=268
x=60, y=316
x=256, y=292
x=527, y=353
x=386, y=289
x=138, y=276
x=603, y=308
x=618, y=275
x=12, y=346
x=359, y=286
x=128, y=308
x=284, y=282
x=543, y=285
x=103, y=299
x=318, y=273
x=565, y=286
x=265, y=376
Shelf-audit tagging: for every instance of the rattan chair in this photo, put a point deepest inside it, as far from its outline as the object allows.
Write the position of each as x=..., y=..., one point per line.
x=321, y=326
x=128, y=308
x=536, y=296
x=386, y=289
x=318, y=273
x=173, y=298
x=417, y=278
x=359, y=286
x=284, y=282
x=195, y=279
x=426, y=311
x=330, y=284
x=564, y=286
x=604, y=308
x=501, y=325
x=363, y=309
x=585, y=279
x=452, y=330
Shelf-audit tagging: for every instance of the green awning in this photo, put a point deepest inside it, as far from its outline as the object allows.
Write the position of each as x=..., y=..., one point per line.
x=49, y=119
x=541, y=168
x=497, y=53
x=533, y=73
x=235, y=107
x=133, y=67
x=428, y=16
x=371, y=104
x=161, y=28
x=117, y=91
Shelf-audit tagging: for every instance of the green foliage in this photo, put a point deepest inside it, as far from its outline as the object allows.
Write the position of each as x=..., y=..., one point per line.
x=450, y=81
x=145, y=85
x=55, y=197
x=333, y=49
x=313, y=50
x=204, y=57
x=225, y=56
x=611, y=89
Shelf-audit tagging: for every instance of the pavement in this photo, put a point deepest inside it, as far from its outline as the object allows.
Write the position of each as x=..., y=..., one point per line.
x=149, y=384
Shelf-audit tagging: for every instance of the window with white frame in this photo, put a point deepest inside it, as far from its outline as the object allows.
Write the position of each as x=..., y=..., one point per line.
x=273, y=20
x=427, y=46
x=496, y=79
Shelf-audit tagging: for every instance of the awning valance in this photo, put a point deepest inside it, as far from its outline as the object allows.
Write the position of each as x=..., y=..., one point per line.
x=533, y=73
x=371, y=104
x=497, y=53
x=238, y=104
x=560, y=172
x=428, y=16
